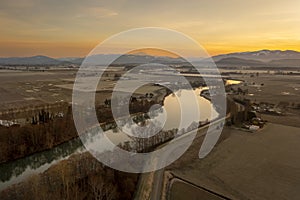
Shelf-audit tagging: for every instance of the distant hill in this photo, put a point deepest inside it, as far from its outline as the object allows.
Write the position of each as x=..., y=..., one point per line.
x=100, y=59
x=262, y=55
x=286, y=63
x=238, y=61
x=262, y=58
x=34, y=60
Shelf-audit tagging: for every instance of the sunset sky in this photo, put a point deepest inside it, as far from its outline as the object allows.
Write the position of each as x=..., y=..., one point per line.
x=69, y=28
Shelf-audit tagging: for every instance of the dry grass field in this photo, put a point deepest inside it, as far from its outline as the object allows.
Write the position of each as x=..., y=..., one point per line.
x=260, y=165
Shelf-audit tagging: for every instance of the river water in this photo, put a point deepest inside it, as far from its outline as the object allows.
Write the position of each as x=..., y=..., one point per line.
x=19, y=170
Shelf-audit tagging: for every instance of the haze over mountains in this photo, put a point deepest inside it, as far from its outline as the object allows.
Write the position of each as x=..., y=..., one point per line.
x=267, y=58
x=262, y=55
x=262, y=58
x=34, y=60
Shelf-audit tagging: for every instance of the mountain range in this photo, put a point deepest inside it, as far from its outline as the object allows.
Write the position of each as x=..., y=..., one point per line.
x=262, y=58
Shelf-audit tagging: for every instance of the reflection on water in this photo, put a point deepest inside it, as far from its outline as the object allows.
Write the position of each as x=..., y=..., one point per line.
x=16, y=171
x=171, y=104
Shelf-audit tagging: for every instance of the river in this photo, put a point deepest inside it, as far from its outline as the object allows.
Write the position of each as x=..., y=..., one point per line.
x=17, y=171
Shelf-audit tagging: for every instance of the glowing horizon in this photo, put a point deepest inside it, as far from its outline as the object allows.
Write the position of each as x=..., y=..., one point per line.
x=73, y=29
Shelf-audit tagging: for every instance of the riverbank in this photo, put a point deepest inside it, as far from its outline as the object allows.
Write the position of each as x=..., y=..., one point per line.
x=79, y=177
